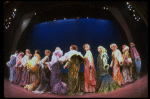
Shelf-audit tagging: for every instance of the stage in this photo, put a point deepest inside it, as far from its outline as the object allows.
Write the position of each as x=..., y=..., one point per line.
x=137, y=89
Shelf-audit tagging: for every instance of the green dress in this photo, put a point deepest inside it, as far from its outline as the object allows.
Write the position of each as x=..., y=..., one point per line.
x=99, y=70
x=107, y=82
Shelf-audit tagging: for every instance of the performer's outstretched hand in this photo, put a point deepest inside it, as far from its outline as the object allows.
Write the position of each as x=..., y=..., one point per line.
x=64, y=66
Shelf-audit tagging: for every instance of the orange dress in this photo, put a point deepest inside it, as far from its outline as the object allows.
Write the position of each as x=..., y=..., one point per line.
x=89, y=73
x=116, y=59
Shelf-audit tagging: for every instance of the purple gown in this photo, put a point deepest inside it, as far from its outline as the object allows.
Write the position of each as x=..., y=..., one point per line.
x=25, y=74
x=11, y=65
x=18, y=68
x=57, y=86
x=45, y=77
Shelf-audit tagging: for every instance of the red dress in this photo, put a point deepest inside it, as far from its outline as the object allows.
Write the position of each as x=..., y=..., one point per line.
x=89, y=73
x=116, y=59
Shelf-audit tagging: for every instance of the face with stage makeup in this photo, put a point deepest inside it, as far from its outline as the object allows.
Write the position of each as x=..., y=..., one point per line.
x=57, y=48
x=28, y=51
x=100, y=49
x=86, y=47
x=125, y=48
x=47, y=52
x=113, y=47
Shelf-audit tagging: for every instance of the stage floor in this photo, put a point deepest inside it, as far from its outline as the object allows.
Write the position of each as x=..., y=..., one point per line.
x=137, y=89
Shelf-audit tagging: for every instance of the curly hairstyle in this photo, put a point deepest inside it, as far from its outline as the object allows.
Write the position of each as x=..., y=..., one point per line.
x=103, y=49
x=74, y=47
x=27, y=50
x=113, y=45
x=132, y=44
x=86, y=45
x=47, y=52
x=38, y=51
x=123, y=48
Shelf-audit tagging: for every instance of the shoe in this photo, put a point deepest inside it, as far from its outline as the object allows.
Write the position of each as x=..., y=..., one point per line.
x=138, y=78
x=79, y=93
x=130, y=80
x=50, y=92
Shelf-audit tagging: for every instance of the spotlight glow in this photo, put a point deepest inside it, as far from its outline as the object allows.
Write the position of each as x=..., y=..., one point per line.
x=77, y=17
x=9, y=18
x=138, y=17
x=135, y=17
x=103, y=7
x=14, y=9
x=34, y=13
x=133, y=10
x=133, y=14
x=130, y=9
x=127, y=3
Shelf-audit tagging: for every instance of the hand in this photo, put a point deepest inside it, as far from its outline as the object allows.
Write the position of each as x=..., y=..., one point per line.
x=138, y=58
x=64, y=66
x=110, y=65
x=121, y=63
x=15, y=66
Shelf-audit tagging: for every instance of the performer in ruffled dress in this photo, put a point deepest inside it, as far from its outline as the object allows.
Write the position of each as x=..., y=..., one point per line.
x=117, y=61
x=45, y=75
x=89, y=70
x=32, y=66
x=11, y=65
x=127, y=74
x=57, y=86
x=25, y=74
x=73, y=59
x=106, y=81
x=18, y=67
